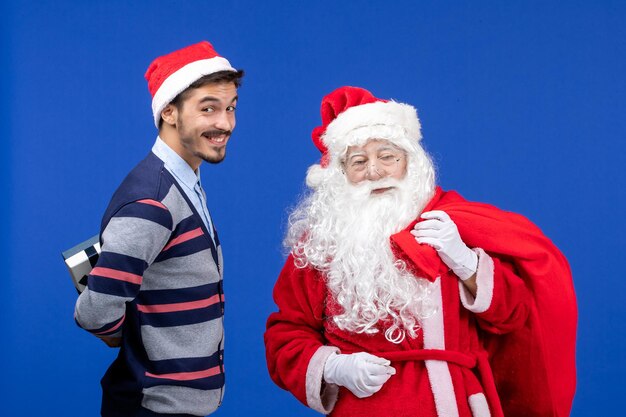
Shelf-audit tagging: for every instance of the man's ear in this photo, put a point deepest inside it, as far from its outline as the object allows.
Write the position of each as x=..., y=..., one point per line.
x=170, y=114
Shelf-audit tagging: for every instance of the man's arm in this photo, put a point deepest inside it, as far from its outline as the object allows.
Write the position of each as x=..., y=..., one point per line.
x=112, y=341
x=131, y=241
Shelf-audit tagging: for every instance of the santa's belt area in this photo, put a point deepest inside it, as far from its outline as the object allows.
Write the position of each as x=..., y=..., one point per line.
x=478, y=360
x=465, y=360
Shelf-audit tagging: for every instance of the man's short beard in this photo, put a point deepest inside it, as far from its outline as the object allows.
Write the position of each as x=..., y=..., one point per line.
x=210, y=159
x=188, y=141
x=343, y=231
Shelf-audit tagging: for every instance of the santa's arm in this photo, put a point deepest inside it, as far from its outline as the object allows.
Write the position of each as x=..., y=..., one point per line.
x=488, y=287
x=500, y=298
x=294, y=341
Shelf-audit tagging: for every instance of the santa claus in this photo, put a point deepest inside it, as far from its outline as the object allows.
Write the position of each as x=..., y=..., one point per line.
x=400, y=299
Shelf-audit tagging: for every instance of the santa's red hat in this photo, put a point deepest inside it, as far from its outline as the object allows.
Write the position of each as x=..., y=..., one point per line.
x=169, y=75
x=350, y=117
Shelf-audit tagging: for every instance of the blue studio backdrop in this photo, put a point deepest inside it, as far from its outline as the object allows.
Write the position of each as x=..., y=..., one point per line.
x=522, y=103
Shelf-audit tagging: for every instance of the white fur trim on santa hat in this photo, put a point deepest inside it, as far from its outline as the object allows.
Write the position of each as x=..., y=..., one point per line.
x=183, y=78
x=395, y=122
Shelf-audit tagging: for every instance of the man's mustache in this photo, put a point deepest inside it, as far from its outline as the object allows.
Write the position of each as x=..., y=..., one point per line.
x=217, y=132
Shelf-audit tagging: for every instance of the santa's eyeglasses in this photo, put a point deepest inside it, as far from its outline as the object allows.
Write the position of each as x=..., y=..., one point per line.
x=385, y=164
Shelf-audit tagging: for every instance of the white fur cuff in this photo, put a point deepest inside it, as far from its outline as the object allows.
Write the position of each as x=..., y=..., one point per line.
x=484, y=285
x=323, y=402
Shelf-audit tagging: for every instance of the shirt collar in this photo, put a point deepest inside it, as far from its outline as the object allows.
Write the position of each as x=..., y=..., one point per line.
x=175, y=164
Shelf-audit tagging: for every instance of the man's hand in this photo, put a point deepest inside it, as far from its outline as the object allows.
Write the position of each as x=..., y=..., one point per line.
x=112, y=342
x=363, y=374
x=439, y=231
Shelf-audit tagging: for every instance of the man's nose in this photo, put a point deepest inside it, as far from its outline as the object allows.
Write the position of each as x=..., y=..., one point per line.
x=225, y=121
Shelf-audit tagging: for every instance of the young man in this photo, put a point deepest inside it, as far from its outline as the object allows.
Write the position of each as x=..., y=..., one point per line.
x=156, y=290
x=398, y=298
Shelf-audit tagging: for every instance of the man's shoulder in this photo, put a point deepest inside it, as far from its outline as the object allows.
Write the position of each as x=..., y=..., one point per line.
x=146, y=176
x=147, y=180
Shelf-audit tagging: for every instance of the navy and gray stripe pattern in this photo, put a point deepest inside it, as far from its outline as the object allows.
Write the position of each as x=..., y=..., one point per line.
x=157, y=282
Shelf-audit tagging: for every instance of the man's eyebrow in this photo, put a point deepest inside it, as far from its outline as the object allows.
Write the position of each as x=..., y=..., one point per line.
x=212, y=99
x=209, y=98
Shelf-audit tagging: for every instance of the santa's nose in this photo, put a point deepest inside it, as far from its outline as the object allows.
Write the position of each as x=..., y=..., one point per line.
x=373, y=173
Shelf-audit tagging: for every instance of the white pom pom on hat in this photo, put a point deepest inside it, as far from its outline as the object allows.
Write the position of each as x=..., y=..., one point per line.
x=315, y=175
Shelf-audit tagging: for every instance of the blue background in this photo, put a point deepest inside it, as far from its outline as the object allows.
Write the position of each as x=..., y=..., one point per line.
x=522, y=103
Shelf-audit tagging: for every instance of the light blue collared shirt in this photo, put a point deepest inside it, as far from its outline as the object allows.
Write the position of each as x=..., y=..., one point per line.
x=186, y=178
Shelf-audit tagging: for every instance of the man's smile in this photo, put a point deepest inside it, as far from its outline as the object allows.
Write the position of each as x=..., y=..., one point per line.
x=217, y=138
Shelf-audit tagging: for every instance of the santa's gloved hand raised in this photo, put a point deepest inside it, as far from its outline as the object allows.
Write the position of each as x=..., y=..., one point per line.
x=439, y=231
x=363, y=374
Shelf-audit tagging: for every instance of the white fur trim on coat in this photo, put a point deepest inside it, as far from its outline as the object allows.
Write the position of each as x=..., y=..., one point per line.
x=177, y=82
x=438, y=371
x=484, y=285
x=478, y=405
x=323, y=402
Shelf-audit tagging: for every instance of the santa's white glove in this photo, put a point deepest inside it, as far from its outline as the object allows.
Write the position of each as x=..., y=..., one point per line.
x=363, y=374
x=439, y=231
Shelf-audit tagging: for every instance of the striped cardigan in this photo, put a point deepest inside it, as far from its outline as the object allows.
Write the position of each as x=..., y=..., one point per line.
x=157, y=283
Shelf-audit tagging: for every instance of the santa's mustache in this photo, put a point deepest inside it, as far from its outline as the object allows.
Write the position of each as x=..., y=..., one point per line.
x=366, y=187
x=216, y=133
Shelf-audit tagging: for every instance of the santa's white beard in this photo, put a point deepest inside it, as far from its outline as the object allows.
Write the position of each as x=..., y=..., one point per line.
x=346, y=233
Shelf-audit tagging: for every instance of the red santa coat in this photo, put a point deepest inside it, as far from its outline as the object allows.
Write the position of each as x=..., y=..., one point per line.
x=445, y=371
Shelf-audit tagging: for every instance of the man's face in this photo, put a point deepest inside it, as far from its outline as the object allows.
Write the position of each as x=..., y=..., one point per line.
x=204, y=122
x=374, y=161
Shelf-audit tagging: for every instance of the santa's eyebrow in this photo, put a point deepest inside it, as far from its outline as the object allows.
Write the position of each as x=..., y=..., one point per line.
x=380, y=149
x=388, y=148
x=355, y=153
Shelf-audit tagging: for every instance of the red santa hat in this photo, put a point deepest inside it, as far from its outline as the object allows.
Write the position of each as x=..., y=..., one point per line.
x=350, y=117
x=169, y=75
